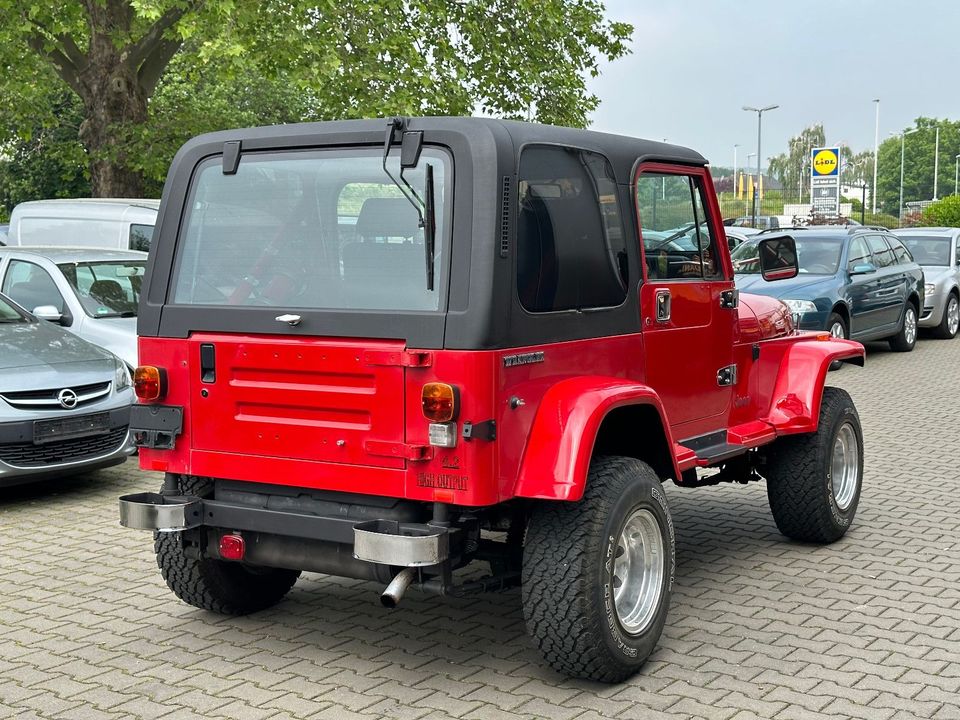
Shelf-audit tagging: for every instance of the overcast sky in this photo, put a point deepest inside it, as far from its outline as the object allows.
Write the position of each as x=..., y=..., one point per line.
x=695, y=63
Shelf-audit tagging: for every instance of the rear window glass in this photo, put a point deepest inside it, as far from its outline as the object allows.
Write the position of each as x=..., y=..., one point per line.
x=571, y=251
x=317, y=229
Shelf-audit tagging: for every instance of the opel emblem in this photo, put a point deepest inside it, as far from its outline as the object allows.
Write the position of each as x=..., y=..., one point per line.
x=68, y=398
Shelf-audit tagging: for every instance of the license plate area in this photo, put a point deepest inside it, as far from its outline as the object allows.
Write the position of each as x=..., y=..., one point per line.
x=70, y=428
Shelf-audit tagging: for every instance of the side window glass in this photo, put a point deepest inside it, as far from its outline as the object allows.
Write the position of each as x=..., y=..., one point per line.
x=859, y=253
x=881, y=251
x=30, y=286
x=900, y=252
x=140, y=237
x=678, y=242
x=571, y=247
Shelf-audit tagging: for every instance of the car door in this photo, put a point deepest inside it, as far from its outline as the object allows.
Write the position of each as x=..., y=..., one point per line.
x=688, y=334
x=31, y=286
x=891, y=293
x=861, y=292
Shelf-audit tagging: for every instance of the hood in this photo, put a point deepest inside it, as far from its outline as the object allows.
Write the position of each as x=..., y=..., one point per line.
x=761, y=318
x=116, y=334
x=936, y=273
x=801, y=287
x=33, y=344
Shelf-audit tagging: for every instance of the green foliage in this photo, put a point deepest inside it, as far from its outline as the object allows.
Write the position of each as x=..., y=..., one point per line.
x=210, y=65
x=918, y=163
x=794, y=165
x=943, y=213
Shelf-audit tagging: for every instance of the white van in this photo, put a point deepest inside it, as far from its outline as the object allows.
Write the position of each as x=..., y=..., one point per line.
x=118, y=224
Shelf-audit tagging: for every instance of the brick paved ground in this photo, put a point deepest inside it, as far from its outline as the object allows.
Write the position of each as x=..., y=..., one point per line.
x=760, y=627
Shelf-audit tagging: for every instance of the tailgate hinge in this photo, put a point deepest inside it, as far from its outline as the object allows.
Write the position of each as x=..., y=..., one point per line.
x=403, y=358
x=414, y=453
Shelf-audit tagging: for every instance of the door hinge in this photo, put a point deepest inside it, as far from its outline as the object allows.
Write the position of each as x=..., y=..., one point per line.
x=727, y=375
x=401, y=358
x=414, y=453
x=730, y=299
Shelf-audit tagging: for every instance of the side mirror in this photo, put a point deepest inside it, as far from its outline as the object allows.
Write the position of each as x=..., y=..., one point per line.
x=47, y=312
x=863, y=269
x=778, y=258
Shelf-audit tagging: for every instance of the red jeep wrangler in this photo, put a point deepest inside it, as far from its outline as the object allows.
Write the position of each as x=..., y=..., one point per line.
x=386, y=353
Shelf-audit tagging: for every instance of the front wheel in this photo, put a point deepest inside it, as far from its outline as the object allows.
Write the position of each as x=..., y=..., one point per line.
x=950, y=323
x=598, y=573
x=814, y=480
x=906, y=339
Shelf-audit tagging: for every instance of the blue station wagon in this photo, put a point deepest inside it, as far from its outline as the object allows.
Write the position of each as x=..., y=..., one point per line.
x=859, y=283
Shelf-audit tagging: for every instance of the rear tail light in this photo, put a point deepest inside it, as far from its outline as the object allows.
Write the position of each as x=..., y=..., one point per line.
x=148, y=383
x=439, y=402
x=232, y=547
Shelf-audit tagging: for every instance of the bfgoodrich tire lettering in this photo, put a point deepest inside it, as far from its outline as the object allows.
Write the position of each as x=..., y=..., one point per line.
x=800, y=470
x=229, y=588
x=569, y=564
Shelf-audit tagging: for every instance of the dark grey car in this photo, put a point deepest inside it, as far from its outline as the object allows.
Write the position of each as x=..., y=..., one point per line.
x=64, y=403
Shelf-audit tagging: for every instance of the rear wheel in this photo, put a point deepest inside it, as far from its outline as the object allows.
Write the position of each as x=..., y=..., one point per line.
x=906, y=339
x=229, y=588
x=598, y=573
x=950, y=323
x=814, y=480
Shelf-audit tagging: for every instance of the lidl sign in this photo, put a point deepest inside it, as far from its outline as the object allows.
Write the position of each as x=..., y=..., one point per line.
x=826, y=162
x=825, y=181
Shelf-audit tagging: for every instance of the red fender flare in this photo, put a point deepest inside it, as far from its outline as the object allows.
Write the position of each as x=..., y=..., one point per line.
x=559, y=447
x=798, y=389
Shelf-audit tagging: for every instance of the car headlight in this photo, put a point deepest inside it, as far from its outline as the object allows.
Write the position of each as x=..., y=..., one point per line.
x=121, y=378
x=929, y=289
x=799, y=307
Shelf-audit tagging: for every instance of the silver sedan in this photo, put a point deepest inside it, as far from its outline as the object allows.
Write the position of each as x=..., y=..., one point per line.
x=938, y=252
x=64, y=403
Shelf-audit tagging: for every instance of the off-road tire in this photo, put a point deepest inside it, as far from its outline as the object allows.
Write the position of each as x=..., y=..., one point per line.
x=900, y=342
x=228, y=588
x=799, y=471
x=568, y=601
x=943, y=330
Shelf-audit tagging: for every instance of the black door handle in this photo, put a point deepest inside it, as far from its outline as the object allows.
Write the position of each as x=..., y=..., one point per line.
x=208, y=363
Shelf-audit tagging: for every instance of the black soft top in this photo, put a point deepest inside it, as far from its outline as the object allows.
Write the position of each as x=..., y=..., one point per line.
x=622, y=151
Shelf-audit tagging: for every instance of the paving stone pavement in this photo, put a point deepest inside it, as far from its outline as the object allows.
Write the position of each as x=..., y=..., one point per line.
x=760, y=627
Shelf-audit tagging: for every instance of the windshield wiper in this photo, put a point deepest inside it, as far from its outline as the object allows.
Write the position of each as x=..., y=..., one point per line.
x=424, y=206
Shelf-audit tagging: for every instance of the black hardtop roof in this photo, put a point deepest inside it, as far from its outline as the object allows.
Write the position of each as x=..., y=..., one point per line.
x=622, y=151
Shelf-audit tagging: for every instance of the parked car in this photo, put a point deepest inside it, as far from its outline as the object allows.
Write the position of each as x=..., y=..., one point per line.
x=64, y=403
x=858, y=283
x=365, y=405
x=120, y=224
x=764, y=222
x=92, y=293
x=938, y=252
x=736, y=236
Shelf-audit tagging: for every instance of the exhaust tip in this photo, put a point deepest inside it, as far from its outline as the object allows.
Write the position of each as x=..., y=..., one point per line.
x=393, y=593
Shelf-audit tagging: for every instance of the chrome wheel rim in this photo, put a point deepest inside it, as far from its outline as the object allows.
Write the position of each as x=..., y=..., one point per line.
x=638, y=571
x=845, y=468
x=836, y=330
x=953, y=315
x=910, y=326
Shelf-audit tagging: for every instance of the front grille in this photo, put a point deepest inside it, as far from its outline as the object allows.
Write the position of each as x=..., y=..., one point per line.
x=28, y=455
x=47, y=399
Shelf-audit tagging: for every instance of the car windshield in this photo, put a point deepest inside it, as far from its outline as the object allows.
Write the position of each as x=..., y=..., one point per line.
x=106, y=289
x=312, y=229
x=9, y=314
x=816, y=256
x=928, y=249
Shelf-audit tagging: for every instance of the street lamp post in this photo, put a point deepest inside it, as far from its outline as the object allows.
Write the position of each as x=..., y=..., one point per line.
x=903, y=136
x=956, y=175
x=876, y=148
x=756, y=188
x=735, y=146
x=936, y=163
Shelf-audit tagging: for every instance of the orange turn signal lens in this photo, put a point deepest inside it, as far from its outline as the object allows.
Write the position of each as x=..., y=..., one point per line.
x=147, y=383
x=439, y=402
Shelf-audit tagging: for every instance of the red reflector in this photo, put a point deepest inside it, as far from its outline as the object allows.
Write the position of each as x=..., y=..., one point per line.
x=232, y=547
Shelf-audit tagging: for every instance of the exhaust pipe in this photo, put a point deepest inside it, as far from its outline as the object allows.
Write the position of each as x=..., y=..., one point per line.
x=398, y=586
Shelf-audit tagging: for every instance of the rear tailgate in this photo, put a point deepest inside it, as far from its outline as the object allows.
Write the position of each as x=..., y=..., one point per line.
x=314, y=399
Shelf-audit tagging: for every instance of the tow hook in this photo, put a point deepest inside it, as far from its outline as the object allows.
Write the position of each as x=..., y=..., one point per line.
x=398, y=586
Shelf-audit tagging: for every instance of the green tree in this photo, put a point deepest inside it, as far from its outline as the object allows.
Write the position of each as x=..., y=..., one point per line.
x=793, y=167
x=943, y=213
x=342, y=59
x=918, y=163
